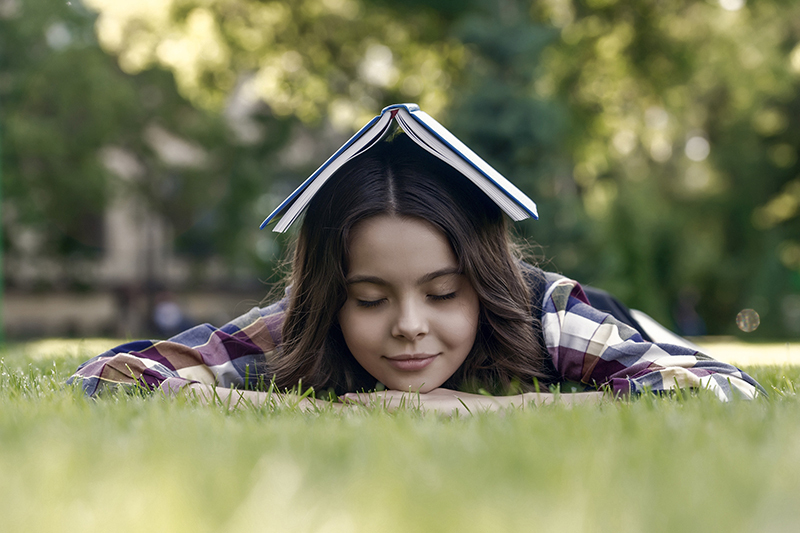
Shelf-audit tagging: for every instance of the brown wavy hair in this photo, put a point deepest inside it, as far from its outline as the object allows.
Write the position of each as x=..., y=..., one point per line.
x=399, y=178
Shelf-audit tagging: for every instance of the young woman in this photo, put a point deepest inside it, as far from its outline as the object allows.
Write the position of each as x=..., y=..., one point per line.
x=404, y=279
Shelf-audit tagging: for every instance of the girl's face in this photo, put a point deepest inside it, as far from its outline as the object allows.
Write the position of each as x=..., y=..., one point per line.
x=411, y=317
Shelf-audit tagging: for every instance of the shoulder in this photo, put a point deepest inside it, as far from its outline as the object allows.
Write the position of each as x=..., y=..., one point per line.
x=261, y=325
x=271, y=313
x=544, y=286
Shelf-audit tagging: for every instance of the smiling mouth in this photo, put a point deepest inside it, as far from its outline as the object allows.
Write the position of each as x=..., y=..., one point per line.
x=411, y=362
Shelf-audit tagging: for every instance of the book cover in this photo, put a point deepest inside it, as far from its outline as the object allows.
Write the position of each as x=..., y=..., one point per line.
x=430, y=135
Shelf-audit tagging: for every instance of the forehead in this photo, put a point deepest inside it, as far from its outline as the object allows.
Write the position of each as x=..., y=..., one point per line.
x=398, y=244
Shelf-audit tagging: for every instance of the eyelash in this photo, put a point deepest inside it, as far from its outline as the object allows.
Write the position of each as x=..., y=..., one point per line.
x=435, y=297
x=369, y=303
x=442, y=297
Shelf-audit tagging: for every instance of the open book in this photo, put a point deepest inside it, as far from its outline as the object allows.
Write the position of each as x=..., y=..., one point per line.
x=431, y=136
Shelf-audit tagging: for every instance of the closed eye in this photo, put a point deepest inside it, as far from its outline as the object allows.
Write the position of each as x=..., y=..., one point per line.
x=442, y=297
x=369, y=303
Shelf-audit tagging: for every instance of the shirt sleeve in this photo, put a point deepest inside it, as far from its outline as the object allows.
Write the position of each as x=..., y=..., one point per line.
x=594, y=348
x=227, y=357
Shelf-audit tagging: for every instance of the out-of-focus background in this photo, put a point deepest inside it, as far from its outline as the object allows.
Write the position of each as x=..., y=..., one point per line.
x=144, y=141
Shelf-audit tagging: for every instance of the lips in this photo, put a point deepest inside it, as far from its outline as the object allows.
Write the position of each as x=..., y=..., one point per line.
x=411, y=362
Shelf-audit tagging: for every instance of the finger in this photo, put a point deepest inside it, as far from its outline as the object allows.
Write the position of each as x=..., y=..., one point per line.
x=355, y=398
x=364, y=398
x=383, y=399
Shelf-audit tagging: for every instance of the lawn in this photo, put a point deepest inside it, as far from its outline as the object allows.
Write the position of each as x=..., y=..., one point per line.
x=133, y=463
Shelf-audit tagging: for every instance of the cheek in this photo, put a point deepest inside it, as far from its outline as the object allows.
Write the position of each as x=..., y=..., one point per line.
x=460, y=329
x=359, y=332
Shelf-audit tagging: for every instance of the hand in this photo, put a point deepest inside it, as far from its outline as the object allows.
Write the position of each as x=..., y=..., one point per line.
x=448, y=402
x=442, y=401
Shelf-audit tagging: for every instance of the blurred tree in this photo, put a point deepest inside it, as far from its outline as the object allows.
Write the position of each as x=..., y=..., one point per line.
x=684, y=132
x=80, y=133
x=307, y=58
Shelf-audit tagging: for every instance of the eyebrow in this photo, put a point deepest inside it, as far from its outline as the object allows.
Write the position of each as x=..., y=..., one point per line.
x=375, y=280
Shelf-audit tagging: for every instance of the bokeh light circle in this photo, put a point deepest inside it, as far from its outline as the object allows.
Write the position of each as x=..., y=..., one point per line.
x=748, y=320
x=697, y=148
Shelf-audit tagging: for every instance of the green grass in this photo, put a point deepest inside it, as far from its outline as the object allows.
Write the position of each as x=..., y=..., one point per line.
x=133, y=463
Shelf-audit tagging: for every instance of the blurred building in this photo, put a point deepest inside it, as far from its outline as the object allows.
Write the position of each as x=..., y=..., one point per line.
x=120, y=290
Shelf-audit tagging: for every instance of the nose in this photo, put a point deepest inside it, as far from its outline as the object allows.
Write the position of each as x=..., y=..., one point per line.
x=411, y=322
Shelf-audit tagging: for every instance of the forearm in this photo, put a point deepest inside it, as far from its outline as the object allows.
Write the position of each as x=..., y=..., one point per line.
x=542, y=398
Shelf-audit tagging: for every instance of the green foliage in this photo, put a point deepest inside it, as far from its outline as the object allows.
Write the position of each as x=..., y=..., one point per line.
x=307, y=58
x=683, y=135
x=78, y=134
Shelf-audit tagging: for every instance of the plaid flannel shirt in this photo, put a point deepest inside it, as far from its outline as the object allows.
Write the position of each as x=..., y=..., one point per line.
x=586, y=345
x=594, y=348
